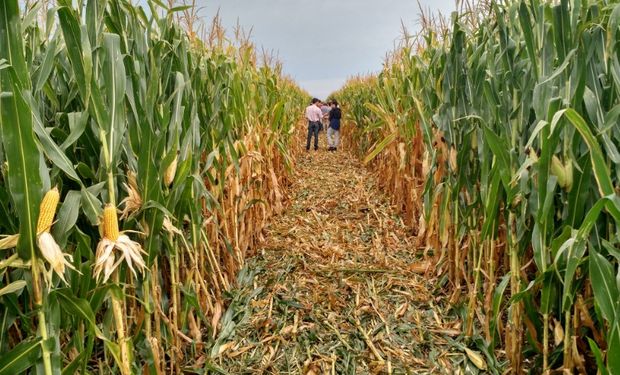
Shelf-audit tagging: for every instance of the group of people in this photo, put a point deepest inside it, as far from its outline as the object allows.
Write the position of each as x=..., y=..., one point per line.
x=321, y=115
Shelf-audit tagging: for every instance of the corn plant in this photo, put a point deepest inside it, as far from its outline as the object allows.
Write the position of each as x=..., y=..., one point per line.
x=501, y=135
x=160, y=156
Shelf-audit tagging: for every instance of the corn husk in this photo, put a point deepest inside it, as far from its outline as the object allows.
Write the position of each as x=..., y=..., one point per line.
x=557, y=169
x=53, y=255
x=133, y=202
x=114, y=248
x=171, y=171
x=110, y=254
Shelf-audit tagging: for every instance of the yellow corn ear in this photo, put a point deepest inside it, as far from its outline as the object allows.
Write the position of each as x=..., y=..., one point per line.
x=47, y=210
x=110, y=223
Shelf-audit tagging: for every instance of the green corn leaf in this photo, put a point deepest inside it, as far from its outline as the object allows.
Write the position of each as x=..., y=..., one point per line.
x=575, y=250
x=11, y=43
x=91, y=205
x=47, y=66
x=77, y=125
x=18, y=140
x=21, y=358
x=547, y=295
x=378, y=148
x=580, y=191
x=79, y=308
x=115, y=350
x=604, y=285
x=613, y=360
x=73, y=39
x=526, y=27
x=491, y=204
x=498, y=295
x=500, y=150
x=23, y=158
x=30, y=18
x=601, y=172
x=74, y=366
x=114, y=74
x=50, y=148
x=598, y=355
x=13, y=287
x=67, y=217
x=613, y=339
x=611, y=203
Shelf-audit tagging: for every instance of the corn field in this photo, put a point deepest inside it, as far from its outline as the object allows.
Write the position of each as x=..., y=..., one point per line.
x=138, y=165
x=497, y=136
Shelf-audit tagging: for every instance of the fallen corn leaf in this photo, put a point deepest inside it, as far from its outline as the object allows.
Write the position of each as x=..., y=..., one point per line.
x=476, y=359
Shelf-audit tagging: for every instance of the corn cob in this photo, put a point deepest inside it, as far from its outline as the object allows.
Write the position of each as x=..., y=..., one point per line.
x=110, y=223
x=47, y=210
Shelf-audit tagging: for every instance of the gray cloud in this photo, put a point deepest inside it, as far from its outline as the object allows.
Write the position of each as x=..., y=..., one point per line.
x=321, y=43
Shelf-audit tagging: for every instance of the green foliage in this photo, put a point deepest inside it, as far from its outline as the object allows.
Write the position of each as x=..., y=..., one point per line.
x=531, y=93
x=101, y=100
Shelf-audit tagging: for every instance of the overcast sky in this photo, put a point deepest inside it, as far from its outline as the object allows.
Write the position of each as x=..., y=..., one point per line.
x=321, y=43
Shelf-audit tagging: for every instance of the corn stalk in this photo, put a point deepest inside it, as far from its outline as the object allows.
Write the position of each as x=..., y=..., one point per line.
x=186, y=139
x=523, y=215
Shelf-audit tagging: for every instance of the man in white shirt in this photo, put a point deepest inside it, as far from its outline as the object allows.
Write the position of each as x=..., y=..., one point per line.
x=314, y=117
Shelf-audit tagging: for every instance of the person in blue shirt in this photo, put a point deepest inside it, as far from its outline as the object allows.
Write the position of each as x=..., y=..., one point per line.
x=333, y=132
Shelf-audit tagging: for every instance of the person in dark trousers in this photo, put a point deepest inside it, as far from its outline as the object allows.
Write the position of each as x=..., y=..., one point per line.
x=333, y=132
x=313, y=115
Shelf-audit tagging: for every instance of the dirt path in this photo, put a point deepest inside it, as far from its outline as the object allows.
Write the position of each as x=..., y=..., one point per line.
x=333, y=289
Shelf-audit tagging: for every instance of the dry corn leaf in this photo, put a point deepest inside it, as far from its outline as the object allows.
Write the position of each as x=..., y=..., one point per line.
x=400, y=312
x=223, y=348
x=337, y=253
x=476, y=359
x=9, y=242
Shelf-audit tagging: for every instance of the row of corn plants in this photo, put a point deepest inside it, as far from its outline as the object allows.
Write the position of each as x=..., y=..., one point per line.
x=498, y=137
x=138, y=166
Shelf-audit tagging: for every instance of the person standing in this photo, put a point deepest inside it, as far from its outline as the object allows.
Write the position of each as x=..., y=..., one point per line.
x=314, y=116
x=325, y=108
x=333, y=132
